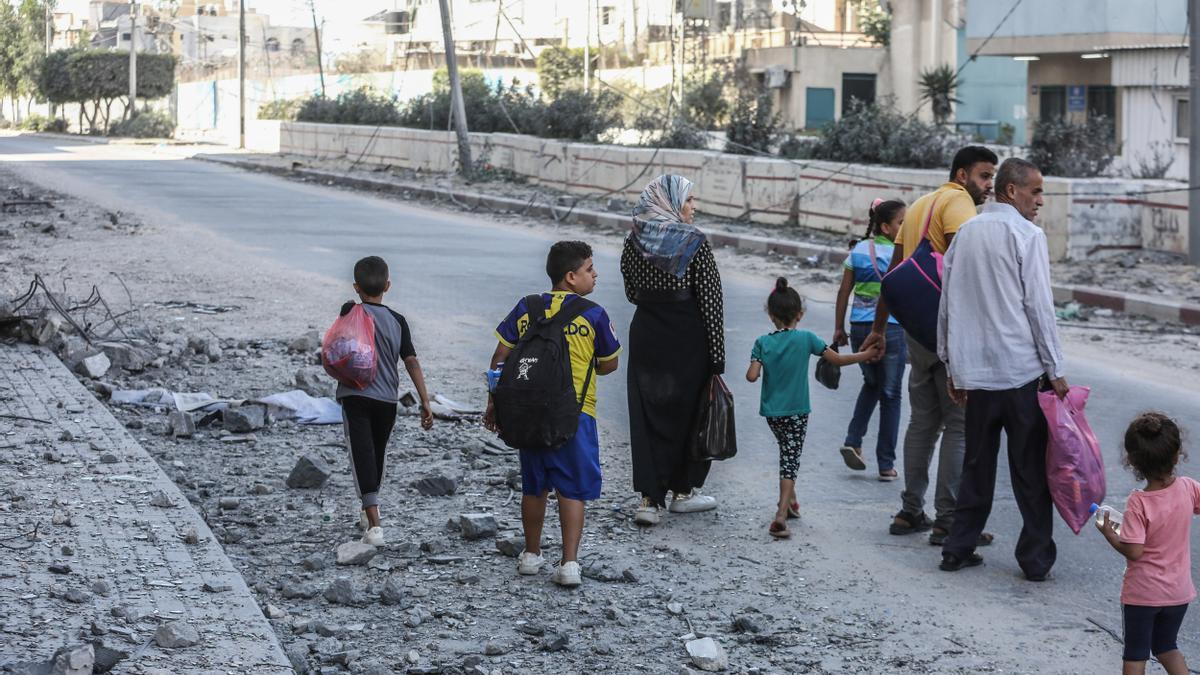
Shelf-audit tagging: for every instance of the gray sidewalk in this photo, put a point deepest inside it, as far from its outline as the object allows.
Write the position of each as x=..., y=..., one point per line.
x=112, y=559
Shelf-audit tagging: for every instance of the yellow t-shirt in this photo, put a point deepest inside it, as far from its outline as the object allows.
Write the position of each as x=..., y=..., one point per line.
x=953, y=208
x=590, y=335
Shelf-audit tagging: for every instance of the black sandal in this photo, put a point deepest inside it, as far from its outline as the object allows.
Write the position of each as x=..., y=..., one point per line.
x=912, y=524
x=939, y=537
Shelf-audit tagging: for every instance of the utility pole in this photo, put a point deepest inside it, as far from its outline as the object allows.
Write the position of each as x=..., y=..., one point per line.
x=456, y=97
x=317, y=37
x=587, y=45
x=1194, y=131
x=241, y=73
x=683, y=7
x=132, y=59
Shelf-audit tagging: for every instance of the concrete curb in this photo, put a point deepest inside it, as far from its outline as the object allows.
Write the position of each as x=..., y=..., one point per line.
x=1129, y=303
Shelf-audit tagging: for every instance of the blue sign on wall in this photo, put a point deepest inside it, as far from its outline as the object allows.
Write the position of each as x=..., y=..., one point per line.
x=1076, y=98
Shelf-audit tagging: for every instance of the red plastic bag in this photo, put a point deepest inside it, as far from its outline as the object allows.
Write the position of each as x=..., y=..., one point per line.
x=1074, y=465
x=348, y=350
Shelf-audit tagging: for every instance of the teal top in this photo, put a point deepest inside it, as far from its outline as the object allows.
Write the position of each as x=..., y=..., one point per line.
x=784, y=358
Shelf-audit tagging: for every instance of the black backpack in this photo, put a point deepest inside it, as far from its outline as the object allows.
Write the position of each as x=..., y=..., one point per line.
x=536, y=404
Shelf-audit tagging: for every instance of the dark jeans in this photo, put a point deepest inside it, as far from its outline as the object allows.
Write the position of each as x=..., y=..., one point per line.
x=368, y=425
x=882, y=384
x=1017, y=414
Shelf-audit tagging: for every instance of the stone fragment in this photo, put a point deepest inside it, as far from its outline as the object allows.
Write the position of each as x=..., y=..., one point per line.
x=131, y=357
x=343, y=592
x=273, y=612
x=392, y=592
x=67, y=550
x=309, y=342
x=556, y=643
x=217, y=587
x=101, y=587
x=310, y=471
x=49, y=327
x=314, y=562
x=355, y=553
x=298, y=656
x=176, y=635
x=59, y=568
x=313, y=381
x=477, y=525
x=746, y=624
x=182, y=424
x=229, y=503
x=493, y=648
x=707, y=655
x=675, y=608
x=245, y=418
x=107, y=658
x=76, y=596
x=436, y=486
x=161, y=499
x=78, y=660
x=295, y=589
x=191, y=536
x=510, y=546
x=94, y=367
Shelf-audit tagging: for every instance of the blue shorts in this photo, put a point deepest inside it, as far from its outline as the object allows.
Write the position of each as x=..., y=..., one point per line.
x=573, y=470
x=1151, y=630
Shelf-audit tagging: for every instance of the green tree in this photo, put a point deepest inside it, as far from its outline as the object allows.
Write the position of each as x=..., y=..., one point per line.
x=938, y=86
x=560, y=68
x=753, y=124
x=31, y=47
x=10, y=34
x=875, y=22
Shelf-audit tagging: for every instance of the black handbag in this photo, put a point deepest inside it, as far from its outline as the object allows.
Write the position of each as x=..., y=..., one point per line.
x=714, y=437
x=828, y=373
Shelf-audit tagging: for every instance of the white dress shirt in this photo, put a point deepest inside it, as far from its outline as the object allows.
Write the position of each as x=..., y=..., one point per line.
x=996, y=324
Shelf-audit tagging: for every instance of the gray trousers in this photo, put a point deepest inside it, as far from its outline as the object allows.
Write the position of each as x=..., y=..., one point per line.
x=933, y=415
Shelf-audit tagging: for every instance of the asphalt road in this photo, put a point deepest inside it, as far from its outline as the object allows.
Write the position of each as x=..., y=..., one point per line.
x=456, y=275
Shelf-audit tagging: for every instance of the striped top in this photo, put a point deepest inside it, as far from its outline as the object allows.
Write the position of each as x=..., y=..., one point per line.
x=867, y=276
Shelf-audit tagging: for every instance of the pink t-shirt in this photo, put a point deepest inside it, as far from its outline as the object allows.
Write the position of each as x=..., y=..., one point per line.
x=1162, y=521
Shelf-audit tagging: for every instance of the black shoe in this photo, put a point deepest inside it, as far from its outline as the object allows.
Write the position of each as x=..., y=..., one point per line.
x=909, y=523
x=953, y=563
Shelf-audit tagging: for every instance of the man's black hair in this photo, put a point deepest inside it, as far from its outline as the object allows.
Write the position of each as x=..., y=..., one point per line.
x=969, y=157
x=371, y=275
x=565, y=256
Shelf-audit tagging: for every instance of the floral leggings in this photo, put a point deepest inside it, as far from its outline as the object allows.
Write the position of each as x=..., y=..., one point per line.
x=790, y=432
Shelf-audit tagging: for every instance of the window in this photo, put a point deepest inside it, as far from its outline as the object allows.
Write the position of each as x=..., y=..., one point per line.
x=126, y=37
x=1183, y=118
x=297, y=47
x=607, y=14
x=1102, y=101
x=1053, y=103
x=857, y=87
x=272, y=44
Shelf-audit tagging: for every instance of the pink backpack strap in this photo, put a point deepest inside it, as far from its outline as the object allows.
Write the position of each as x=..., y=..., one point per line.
x=875, y=261
x=928, y=219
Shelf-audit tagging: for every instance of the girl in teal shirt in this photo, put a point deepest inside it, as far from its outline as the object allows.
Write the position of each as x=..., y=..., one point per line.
x=781, y=358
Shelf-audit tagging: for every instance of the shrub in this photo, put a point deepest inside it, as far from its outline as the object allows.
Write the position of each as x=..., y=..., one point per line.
x=147, y=124
x=281, y=109
x=879, y=134
x=704, y=101
x=1061, y=148
x=753, y=124
x=582, y=116
x=876, y=22
x=361, y=106
x=33, y=122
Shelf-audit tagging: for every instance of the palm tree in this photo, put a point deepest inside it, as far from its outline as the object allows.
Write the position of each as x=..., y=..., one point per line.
x=938, y=86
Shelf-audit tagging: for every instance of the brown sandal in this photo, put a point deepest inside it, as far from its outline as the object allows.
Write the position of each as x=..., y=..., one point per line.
x=779, y=530
x=793, y=510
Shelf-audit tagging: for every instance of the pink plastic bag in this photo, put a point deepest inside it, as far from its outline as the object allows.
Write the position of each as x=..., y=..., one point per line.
x=348, y=350
x=1074, y=466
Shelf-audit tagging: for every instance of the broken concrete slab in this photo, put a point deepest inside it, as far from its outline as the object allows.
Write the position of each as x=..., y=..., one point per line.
x=313, y=381
x=182, y=424
x=176, y=635
x=707, y=654
x=355, y=553
x=310, y=471
x=477, y=525
x=245, y=418
x=93, y=367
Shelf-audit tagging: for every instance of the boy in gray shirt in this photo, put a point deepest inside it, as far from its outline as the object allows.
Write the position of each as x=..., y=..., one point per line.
x=370, y=413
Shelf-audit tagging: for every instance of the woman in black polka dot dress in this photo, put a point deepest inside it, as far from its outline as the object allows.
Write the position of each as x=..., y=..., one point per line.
x=676, y=343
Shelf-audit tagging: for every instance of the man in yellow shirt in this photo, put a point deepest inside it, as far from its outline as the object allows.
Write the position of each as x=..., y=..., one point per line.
x=933, y=412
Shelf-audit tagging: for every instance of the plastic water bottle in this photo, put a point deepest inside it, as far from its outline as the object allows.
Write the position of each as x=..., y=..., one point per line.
x=1114, y=516
x=328, y=507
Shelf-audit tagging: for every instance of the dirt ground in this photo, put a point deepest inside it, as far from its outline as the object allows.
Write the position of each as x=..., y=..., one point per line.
x=433, y=600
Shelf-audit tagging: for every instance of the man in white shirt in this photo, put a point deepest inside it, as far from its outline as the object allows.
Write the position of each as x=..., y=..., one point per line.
x=998, y=338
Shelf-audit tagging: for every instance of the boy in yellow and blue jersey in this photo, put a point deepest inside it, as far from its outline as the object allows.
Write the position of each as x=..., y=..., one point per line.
x=572, y=470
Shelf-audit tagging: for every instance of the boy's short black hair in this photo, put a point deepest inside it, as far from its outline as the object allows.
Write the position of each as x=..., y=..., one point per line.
x=371, y=275
x=969, y=157
x=1153, y=446
x=565, y=256
x=784, y=303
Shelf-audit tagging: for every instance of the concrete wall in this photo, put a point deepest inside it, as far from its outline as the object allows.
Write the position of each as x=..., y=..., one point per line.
x=1072, y=25
x=1082, y=217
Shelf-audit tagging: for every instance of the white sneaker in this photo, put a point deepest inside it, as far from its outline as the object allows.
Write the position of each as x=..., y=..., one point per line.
x=568, y=575
x=692, y=502
x=374, y=536
x=647, y=514
x=530, y=563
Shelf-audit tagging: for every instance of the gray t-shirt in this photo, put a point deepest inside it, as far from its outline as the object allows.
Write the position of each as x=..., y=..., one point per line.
x=393, y=343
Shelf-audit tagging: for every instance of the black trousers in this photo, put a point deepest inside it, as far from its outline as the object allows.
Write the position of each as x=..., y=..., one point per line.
x=1015, y=412
x=368, y=424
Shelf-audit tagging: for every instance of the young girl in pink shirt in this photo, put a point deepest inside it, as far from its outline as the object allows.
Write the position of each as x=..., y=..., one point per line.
x=1154, y=537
